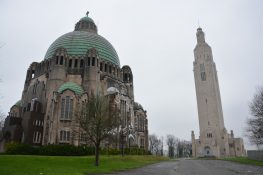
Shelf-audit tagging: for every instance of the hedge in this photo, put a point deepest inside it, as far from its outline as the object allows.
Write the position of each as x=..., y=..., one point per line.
x=67, y=150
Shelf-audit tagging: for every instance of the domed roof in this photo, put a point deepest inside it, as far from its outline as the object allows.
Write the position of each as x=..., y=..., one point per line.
x=18, y=103
x=71, y=86
x=137, y=106
x=112, y=90
x=78, y=42
x=86, y=18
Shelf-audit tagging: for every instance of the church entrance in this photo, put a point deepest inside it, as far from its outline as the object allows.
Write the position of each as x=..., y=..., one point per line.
x=207, y=151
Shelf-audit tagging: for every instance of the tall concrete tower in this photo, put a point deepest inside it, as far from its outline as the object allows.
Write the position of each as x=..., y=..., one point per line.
x=213, y=135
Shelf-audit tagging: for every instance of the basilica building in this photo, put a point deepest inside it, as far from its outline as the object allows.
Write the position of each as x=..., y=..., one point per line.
x=75, y=65
x=214, y=140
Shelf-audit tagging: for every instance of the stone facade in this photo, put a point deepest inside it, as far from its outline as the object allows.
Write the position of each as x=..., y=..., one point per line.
x=76, y=65
x=214, y=139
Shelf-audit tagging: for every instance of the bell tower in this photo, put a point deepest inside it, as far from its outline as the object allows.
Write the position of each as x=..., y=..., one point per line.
x=210, y=113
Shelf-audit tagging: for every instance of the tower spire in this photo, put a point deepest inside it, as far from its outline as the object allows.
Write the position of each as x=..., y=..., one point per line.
x=200, y=35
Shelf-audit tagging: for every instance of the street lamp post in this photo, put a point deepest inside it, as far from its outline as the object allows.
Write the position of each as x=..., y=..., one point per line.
x=122, y=142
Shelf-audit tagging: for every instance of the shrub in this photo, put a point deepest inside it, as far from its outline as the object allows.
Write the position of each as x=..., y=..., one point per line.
x=19, y=148
x=67, y=150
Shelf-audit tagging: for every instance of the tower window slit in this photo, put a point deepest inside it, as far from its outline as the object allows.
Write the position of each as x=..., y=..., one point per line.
x=110, y=69
x=88, y=61
x=93, y=61
x=76, y=63
x=61, y=60
x=101, y=66
x=56, y=59
x=202, y=70
x=105, y=68
x=70, y=63
x=81, y=63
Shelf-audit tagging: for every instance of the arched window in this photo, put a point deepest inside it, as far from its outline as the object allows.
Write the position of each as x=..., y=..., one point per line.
x=61, y=60
x=88, y=61
x=110, y=69
x=202, y=70
x=93, y=61
x=125, y=77
x=101, y=66
x=70, y=63
x=81, y=63
x=76, y=63
x=105, y=68
x=57, y=59
x=66, y=108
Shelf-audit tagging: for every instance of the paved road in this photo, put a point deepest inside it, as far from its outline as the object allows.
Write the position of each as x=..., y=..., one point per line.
x=196, y=167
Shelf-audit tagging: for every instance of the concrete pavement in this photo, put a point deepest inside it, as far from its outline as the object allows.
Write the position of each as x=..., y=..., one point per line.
x=196, y=167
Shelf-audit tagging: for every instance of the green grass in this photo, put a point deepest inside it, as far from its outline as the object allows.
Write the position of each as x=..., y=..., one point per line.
x=244, y=160
x=56, y=165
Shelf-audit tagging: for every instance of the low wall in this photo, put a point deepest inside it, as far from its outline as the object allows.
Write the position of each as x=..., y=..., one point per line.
x=255, y=155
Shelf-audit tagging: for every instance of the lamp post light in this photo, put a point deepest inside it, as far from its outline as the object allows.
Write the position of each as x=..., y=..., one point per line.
x=130, y=136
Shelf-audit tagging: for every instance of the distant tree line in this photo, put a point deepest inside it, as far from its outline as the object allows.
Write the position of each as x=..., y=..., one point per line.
x=175, y=147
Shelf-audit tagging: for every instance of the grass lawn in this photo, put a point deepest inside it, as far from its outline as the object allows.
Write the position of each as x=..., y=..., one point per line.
x=244, y=160
x=69, y=165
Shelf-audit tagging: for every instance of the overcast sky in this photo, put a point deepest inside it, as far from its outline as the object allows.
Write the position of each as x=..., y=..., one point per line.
x=156, y=39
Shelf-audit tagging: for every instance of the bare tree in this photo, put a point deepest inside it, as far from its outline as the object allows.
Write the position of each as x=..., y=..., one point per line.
x=255, y=122
x=171, y=142
x=2, y=121
x=155, y=145
x=184, y=148
x=98, y=119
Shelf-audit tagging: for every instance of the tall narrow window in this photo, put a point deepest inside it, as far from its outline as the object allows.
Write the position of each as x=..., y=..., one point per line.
x=81, y=63
x=76, y=63
x=56, y=59
x=110, y=69
x=101, y=66
x=93, y=61
x=66, y=108
x=88, y=61
x=63, y=108
x=37, y=137
x=61, y=60
x=105, y=68
x=70, y=63
x=202, y=70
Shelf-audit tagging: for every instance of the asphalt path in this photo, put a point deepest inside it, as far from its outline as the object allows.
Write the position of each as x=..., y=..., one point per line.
x=196, y=167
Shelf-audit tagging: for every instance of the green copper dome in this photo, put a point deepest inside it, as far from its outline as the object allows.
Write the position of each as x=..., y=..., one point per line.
x=18, y=103
x=71, y=86
x=82, y=39
x=86, y=18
